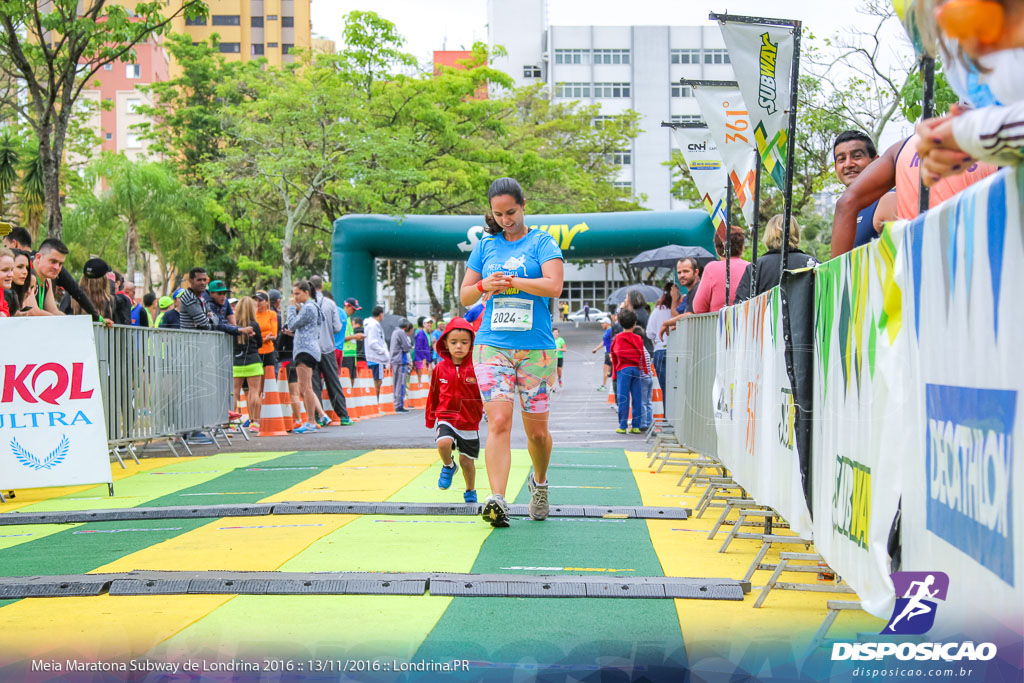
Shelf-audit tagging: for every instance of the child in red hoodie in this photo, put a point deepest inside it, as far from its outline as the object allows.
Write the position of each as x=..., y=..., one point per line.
x=454, y=406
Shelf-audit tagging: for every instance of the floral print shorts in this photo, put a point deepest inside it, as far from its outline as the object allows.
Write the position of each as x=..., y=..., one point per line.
x=500, y=372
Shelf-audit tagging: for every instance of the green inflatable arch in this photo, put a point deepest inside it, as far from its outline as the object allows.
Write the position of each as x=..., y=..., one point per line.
x=360, y=238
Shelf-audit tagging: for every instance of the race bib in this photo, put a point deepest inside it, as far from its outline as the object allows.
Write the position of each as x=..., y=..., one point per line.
x=510, y=314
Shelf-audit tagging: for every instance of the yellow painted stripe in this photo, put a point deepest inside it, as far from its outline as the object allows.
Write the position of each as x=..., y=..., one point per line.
x=373, y=476
x=101, y=628
x=726, y=628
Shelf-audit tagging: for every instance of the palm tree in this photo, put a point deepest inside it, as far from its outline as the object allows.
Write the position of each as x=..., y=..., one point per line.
x=9, y=160
x=32, y=194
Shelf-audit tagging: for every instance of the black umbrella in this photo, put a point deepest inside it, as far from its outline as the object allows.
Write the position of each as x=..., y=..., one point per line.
x=650, y=292
x=666, y=257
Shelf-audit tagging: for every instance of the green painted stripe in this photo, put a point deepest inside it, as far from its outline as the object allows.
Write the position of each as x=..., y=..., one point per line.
x=73, y=552
x=547, y=633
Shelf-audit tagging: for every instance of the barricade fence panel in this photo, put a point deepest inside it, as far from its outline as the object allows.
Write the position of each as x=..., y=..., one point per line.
x=690, y=368
x=904, y=371
x=159, y=382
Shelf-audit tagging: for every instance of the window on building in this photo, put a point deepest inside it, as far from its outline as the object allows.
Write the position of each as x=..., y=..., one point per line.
x=197, y=21
x=623, y=185
x=108, y=136
x=132, y=71
x=131, y=141
x=230, y=47
x=687, y=56
x=271, y=45
x=257, y=48
x=287, y=22
x=256, y=22
x=271, y=17
x=286, y=48
x=132, y=104
x=611, y=56
x=599, y=121
x=622, y=157
x=611, y=90
x=531, y=71
x=572, y=90
x=108, y=67
x=225, y=20
x=687, y=118
x=572, y=56
x=716, y=57
x=681, y=90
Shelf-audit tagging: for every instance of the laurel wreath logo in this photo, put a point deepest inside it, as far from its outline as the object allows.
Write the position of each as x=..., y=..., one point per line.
x=55, y=457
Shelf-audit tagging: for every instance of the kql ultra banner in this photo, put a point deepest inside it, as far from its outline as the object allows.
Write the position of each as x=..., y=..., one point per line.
x=755, y=413
x=961, y=279
x=52, y=428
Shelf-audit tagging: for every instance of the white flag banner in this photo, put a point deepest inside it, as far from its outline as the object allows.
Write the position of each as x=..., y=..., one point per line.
x=52, y=428
x=729, y=122
x=762, y=57
x=706, y=169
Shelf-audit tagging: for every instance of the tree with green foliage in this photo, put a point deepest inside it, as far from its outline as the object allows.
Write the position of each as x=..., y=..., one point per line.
x=51, y=51
x=143, y=207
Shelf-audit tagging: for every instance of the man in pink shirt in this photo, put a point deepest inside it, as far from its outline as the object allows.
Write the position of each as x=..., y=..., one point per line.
x=710, y=296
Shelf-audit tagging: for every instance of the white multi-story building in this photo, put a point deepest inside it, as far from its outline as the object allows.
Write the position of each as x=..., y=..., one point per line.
x=620, y=68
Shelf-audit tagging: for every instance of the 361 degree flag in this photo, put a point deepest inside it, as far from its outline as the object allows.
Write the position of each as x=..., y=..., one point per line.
x=706, y=169
x=762, y=57
x=729, y=123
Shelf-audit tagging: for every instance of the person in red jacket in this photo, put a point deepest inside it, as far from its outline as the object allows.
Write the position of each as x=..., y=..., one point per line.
x=629, y=365
x=454, y=406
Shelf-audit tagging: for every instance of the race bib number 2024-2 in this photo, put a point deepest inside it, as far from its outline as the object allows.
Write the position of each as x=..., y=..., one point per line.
x=510, y=314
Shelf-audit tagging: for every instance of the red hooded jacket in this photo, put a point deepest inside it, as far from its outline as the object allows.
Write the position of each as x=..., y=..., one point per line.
x=454, y=395
x=628, y=351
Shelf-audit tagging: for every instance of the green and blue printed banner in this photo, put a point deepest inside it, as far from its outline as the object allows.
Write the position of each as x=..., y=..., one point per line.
x=755, y=413
x=762, y=57
x=960, y=276
x=706, y=170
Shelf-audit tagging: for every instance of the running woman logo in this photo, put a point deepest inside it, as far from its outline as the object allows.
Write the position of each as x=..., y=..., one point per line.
x=914, y=613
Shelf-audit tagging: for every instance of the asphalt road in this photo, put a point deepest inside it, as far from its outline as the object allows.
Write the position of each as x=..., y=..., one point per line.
x=580, y=415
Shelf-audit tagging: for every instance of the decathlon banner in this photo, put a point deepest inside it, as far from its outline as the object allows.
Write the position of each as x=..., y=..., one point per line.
x=762, y=57
x=729, y=123
x=859, y=432
x=706, y=169
x=754, y=407
x=961, y=280
x=52, y=428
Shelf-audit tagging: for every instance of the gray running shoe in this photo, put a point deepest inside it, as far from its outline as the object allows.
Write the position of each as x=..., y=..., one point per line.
x=538, y=499
x=496, y=511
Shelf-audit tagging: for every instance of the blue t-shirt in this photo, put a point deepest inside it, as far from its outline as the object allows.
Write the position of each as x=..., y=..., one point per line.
x=522, y=258
x=339, y=337
x=866, y=226
x=608, y=340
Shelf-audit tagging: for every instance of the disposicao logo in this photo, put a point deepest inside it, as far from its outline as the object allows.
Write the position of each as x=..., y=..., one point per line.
x=914, y=614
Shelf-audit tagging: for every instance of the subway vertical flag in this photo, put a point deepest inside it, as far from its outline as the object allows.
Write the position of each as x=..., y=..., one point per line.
x=706, y=169
x=762, y=57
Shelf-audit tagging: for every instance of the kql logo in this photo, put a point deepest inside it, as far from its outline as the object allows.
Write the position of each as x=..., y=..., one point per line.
x=914, y=613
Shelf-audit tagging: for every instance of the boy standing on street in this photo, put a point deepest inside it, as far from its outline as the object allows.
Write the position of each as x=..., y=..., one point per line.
x=454, y=406
x=560, y=347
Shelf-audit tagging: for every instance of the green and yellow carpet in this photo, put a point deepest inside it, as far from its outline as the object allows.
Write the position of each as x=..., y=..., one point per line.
x=508, y=637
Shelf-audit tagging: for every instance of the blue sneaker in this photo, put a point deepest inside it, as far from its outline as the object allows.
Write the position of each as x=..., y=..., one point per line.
x=469, y=496
x=445, y=480
x=305, y=428
x=200, y=439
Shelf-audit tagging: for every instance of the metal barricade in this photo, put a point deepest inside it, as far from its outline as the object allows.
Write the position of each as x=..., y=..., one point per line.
x=690, y=367
x=158, y=383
